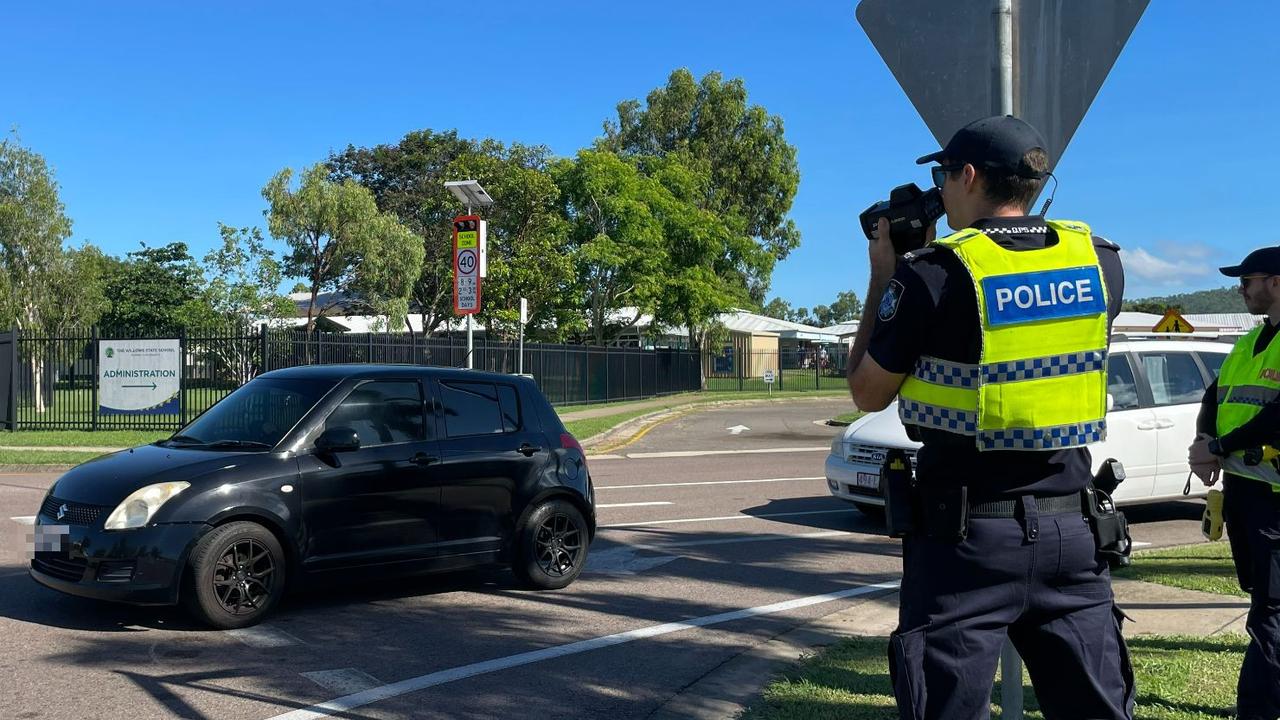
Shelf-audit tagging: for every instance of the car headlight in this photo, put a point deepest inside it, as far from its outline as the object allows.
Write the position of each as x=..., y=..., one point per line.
x=137, y=509
x=837, y=446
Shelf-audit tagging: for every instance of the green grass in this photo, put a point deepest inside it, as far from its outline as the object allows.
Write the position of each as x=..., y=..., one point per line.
x=1206, y=567
x=77, y=406
x=583, y=429
x=44, y=457
x=1178, y=678
x=79, y=438
x=786, y=380
x=848, y=417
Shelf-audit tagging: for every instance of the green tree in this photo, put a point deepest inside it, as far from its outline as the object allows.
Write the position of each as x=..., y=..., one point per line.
x=782, y=310
x=846, y=308
x=616, y=236
x=340, y=243
x=750, y=169
x=407, y=180
x=155, y=291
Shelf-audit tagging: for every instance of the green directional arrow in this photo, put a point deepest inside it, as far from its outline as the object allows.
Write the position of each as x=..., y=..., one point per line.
x=152, y=386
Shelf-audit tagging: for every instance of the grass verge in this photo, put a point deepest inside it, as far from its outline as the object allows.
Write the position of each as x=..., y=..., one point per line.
x=848, y=418
x=79, y=438
x=1178, y=678
x=45, y=457
x=1206, y=567
x=710, y=396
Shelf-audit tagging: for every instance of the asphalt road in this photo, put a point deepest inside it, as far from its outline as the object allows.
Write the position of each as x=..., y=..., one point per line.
x=699, y=557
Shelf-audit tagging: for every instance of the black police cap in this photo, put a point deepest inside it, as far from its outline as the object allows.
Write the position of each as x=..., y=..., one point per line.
x=1264, y=261
x=994, y=143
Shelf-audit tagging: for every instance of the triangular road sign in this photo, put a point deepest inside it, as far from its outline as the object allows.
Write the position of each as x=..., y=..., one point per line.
x=1173, y=322
x=943, y=54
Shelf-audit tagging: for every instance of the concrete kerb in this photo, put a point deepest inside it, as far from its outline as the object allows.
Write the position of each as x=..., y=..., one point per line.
x=624, y=434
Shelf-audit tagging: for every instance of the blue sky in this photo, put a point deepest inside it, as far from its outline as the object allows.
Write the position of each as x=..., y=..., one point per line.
x=162, y=119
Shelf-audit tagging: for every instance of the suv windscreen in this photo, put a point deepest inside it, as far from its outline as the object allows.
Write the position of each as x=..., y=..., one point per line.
x=1174, y=377
x=256, y=415
x=382, y=412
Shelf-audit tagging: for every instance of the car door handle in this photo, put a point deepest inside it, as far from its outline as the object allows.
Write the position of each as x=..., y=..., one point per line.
x=528, y=450
x=1150, y=425
x=1164, y=423
x=424, y=459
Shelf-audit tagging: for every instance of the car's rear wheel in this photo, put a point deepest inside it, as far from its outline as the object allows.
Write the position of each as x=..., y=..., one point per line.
x=551, y=546
x=235, y=576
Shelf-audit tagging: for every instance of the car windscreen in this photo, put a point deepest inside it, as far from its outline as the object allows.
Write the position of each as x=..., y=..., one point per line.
x=257, y=415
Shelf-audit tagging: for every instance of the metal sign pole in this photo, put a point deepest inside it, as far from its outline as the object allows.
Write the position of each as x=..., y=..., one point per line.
x=470, y=342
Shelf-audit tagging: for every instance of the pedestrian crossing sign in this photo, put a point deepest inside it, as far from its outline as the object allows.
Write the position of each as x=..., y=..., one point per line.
x=1173, y=322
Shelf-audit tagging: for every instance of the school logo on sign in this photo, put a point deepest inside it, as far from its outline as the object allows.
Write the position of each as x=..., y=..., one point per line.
x=1046, y=295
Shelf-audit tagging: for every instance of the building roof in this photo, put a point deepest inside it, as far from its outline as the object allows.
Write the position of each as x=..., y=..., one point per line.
x=844, y=329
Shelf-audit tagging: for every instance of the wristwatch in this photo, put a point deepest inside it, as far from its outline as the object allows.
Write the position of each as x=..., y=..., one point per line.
x=1215, y=447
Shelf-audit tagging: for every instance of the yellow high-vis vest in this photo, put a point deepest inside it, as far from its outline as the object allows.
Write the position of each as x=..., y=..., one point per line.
x=1245, y=383
x=1041, y=378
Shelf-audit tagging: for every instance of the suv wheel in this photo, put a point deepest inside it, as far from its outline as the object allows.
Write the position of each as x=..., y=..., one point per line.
x=235, y=576
x=551, y=546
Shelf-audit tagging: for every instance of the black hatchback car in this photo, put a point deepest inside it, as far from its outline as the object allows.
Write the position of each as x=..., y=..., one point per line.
x=320, y=471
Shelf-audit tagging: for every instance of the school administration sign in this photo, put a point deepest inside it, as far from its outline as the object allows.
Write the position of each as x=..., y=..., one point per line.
x=138, y=377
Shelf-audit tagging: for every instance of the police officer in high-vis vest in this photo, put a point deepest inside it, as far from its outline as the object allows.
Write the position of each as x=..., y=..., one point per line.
x=1238, y=433
x=994, y=340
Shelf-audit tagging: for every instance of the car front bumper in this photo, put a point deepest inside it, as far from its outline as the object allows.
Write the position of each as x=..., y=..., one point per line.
x=842, y=481
x=142, y=566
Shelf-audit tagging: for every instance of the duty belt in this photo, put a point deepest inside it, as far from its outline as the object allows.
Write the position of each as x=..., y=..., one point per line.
x=1056, y=505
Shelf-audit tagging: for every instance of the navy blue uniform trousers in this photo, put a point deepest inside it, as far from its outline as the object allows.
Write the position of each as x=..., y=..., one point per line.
x=1252, y=514
x=1036, y=580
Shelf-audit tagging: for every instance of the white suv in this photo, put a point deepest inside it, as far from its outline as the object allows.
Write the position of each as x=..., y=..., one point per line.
x=1154, y=390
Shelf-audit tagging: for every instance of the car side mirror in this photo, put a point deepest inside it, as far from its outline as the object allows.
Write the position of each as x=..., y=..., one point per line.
x=1111, y=402
x=338, y=439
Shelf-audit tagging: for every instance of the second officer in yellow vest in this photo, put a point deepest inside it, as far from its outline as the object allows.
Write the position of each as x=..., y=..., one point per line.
x=994, y=340
x=1239, y=430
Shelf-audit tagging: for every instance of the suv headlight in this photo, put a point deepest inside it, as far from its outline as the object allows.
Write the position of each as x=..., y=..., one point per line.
x=137, y=509
x=837, y=446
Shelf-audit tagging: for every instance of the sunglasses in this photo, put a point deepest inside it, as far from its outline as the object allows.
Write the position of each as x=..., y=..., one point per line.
x=1244, y=281
x=941, y=172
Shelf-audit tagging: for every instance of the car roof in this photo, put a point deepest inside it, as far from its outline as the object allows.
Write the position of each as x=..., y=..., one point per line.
x=1120, y=346
x=339, y=372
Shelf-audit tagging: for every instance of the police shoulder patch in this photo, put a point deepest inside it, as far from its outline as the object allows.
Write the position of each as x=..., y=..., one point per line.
x=890, y=300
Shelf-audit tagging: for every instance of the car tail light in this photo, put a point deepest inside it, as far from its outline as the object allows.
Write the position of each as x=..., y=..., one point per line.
x=569, y=442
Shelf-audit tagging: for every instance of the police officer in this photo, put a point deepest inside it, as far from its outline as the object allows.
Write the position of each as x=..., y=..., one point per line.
x=995, y=340
x=1239, y=417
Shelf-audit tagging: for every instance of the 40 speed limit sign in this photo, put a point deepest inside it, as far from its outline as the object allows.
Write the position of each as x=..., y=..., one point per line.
x=468, y=263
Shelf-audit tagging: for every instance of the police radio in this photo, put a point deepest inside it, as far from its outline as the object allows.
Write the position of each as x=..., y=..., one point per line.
x=910, y=212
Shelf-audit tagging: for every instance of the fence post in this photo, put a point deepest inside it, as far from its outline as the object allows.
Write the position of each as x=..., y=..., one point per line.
x=94, y=383
x=13, y=380
x=817, y=375
x=266, y=363
x=182, y=377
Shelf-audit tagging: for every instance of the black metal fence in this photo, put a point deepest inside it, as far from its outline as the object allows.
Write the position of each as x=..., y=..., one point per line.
x=51, y=383
x=810, y=369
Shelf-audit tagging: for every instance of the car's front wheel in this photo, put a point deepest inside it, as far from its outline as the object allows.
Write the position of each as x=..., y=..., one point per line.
x=235, y=576
x=551, y=546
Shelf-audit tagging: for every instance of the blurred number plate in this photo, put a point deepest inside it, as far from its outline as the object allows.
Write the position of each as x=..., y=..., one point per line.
x=869, y=480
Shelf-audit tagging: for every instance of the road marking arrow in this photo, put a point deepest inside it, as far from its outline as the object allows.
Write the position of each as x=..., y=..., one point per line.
x=737, y=429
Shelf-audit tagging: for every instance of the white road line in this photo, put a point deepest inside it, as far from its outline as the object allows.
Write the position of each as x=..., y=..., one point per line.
x=264, y=636
x=25, y=519
x=422, y=682
x=705, y=482
x=635, y=504
x=593, y=458
x=345, y=681
x=728, y=517
x=1138, y=544
x=700, y=453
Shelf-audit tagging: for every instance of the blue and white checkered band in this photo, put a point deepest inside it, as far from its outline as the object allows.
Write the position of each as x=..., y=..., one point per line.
x=1045, y=367
x=944, y=372
x=934, y=416
x=1045, y=295
x=1249, y=395
x=1050, y=438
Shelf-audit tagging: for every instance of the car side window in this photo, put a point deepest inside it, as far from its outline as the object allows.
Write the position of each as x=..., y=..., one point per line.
x=382, y=413
x=1212, y=361
x=1121, y=384
x=510, y=401
x=1174, y=377
x=470, y=408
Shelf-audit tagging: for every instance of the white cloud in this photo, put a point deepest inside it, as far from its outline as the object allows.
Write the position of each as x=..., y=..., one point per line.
x=1171, y=265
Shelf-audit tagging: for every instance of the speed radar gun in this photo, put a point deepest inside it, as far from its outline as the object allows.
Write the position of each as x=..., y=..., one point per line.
x=910, y=211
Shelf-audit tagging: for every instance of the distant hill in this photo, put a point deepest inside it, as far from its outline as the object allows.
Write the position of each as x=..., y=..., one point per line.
x=1222, y=300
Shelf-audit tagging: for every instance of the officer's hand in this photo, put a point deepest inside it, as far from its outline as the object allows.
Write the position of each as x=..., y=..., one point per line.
x=880, y=251
x=1204, y=464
